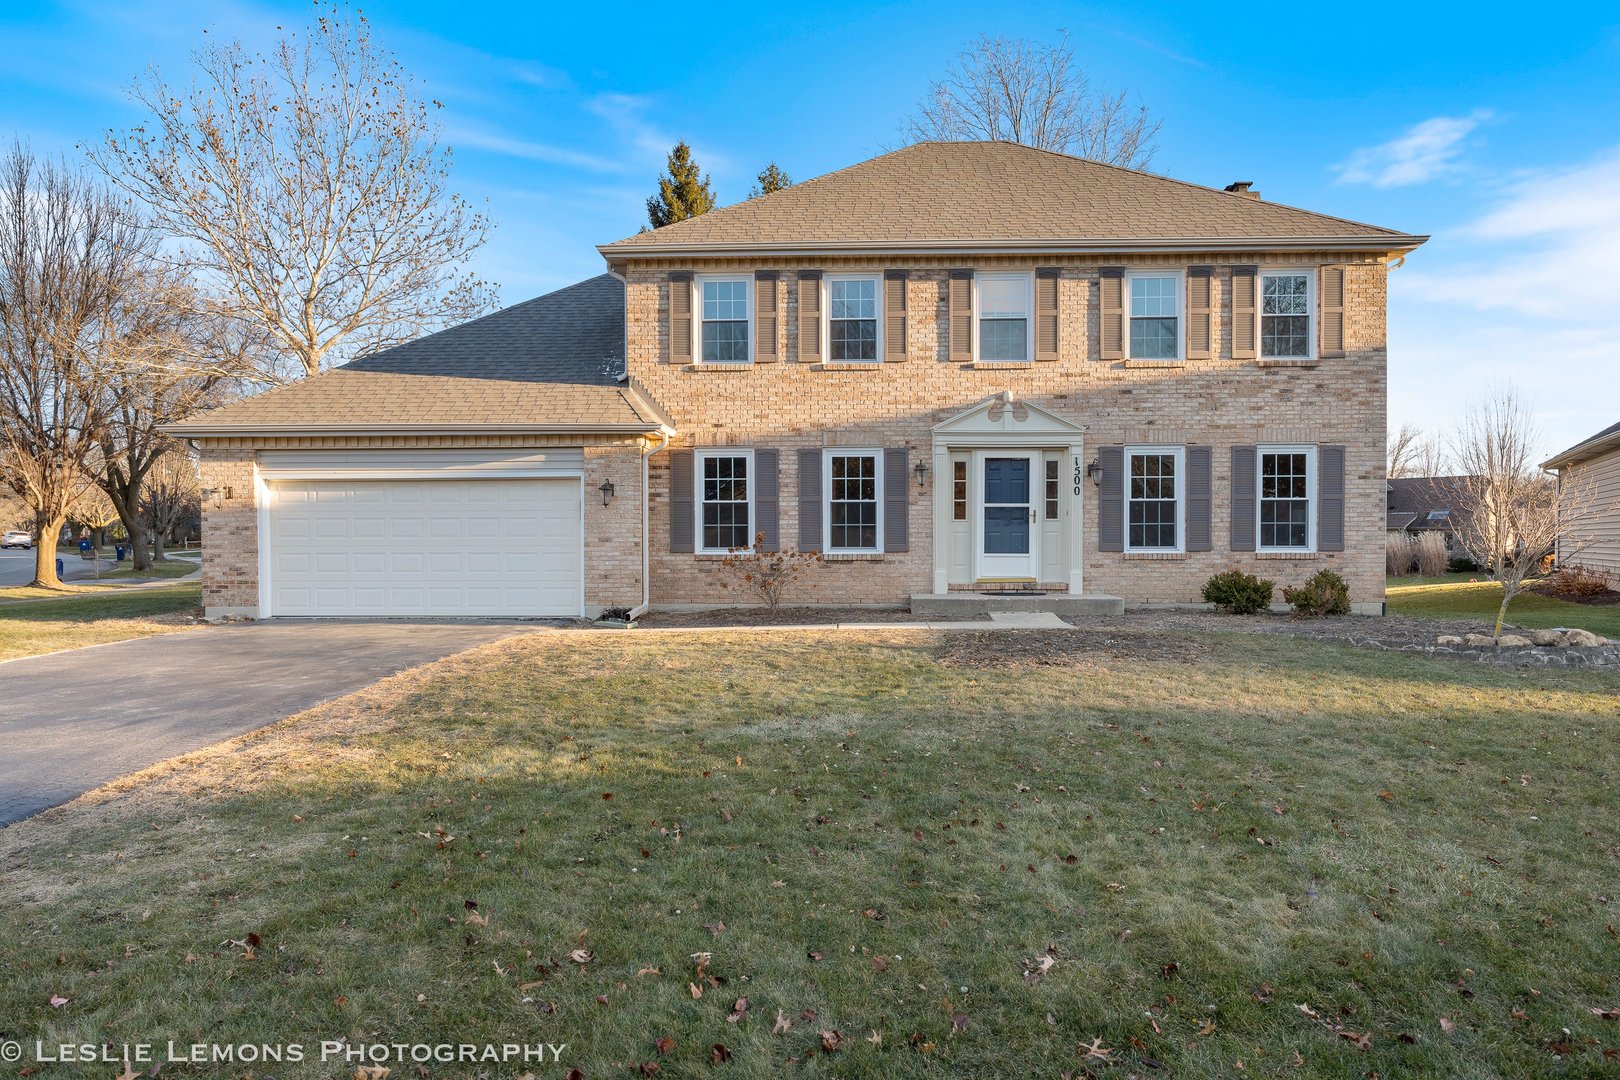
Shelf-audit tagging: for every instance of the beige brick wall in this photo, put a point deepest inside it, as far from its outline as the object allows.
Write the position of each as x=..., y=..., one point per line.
x=1218, y=402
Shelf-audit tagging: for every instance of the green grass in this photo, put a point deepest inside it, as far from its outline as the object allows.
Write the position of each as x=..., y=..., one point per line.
x=1480, y=600
x=1203, y=845
x=172, y=568
x=93, y=617
x=1439, y=579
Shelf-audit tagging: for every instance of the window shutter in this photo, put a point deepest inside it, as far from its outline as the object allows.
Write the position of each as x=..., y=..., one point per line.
x=1242, y=498
x=1111, y=304
x=680, y=317
x=681, y=494
x=961, y=317
x=1199, y=279
x=1046, y=313
x=1198, y=534
x=1331, y=314
x=1243, y=315
x=765, y=318
x=810, y=500
x=1330, y=498
x=896, y=500
x=809, y=316
x=1111, y=499
x=766, y=499
x=894, y=314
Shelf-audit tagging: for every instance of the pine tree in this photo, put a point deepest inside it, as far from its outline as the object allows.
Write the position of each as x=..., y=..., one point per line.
x=771, y=178
x=683, y=194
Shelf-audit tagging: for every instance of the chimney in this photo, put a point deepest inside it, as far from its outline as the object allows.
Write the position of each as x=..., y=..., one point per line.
x=1243, y=187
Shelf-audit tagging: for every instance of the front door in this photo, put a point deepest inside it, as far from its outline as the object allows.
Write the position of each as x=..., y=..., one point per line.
x=1007, y=516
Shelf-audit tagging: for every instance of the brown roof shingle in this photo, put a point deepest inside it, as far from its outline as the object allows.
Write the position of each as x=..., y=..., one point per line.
x=977, y=194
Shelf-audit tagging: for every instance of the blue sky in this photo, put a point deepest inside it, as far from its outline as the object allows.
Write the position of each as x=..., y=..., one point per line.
x=1494, y=128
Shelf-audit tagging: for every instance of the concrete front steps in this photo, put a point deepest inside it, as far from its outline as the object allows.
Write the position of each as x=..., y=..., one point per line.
x=1065, y=605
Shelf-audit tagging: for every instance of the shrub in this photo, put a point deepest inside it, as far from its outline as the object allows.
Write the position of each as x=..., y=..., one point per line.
x=1431, y=554
x=765, y=573
x=1324, y=594
x=1578, y=582
x=1398, y=555
x=1238, y=593
x=1462, y=564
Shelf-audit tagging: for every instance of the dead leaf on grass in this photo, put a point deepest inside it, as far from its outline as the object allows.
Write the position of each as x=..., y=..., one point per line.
x=738, y=1010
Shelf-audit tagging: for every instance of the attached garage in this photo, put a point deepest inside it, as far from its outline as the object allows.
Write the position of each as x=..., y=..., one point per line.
x=449, y=533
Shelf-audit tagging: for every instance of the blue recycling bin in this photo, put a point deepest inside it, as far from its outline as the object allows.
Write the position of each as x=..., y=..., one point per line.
x=119, y=550
x=58, y=569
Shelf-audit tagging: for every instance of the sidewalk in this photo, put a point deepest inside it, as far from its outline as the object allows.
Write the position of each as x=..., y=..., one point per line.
x=998, y=620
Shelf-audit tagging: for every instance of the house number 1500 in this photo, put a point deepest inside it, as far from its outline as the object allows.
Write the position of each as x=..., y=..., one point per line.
x=1079, y=476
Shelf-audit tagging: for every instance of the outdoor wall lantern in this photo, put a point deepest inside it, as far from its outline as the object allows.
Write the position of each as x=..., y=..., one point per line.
x=922, y=473
x=607, y=491
x=1095, y=470
x=216, y=497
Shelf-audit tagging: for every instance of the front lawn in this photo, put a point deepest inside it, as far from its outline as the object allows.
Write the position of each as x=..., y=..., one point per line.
x=1481, y=599
x=864, y=854
x=169, y=568
x=94, y=616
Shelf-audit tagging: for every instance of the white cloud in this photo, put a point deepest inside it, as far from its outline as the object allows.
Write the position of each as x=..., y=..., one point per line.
x=1423, y=152
x=484, y=139
x=647, y=143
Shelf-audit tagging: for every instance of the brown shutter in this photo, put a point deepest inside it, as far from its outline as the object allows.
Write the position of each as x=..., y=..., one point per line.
x=1242, y=498
x=766, y=500
x=1243, y=315
x=681, y=494
x=894, y=314
x=810, y=500
x=1198, y=535
x=1331, y=314
x=765, y=320
x=896, y=500
x=680, y=317
x=809, y=316
x=961, y=315
x=1199, y=279
x=1111, y=499
x=1330, y=498
x=1111, y=304
x=1046, y=313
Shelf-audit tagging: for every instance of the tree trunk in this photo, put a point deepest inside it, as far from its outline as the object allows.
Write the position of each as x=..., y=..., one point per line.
x=45, y=553
x=1501, y=612
x=158, y=554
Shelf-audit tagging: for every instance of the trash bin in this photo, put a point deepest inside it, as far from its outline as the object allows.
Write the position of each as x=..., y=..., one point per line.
x=58, y=569
x=119, y=550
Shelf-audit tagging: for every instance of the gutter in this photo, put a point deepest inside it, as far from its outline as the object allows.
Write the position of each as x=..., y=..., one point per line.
x=1395, y=242
x=1582, y=452
x=221, y=431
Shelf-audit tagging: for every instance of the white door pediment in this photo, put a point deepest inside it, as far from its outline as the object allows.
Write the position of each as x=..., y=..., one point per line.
x=1006, y=417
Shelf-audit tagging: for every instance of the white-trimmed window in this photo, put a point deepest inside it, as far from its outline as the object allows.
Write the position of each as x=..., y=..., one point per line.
x=725, y=498
x=853, y=482
x=1155, y=497
x=1287, y=305
x=1153, y=303
x=725, y=325
x=853, y=327
x=1003, y=329
x=1286, y=506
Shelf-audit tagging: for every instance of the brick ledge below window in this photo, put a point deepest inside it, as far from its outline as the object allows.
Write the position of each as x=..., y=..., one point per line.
x=718, y=368
x=852, y=556
x=1289, y=556
x=1284, y=362
x=848, y=365
x=1155, y=363
x=1157, y=556
x=999, y=365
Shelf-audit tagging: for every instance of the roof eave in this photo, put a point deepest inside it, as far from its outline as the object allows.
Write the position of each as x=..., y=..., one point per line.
x=1585, y=451
x=216, y=431
x=1393, y=243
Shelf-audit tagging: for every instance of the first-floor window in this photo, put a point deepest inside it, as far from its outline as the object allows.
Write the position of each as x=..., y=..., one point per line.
x=726, y=499
x=853, y=499
x=1153, y=497
x=1285, y=497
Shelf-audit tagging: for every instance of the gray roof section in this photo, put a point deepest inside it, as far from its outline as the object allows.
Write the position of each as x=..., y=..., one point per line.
x=547, y=364
x=1608, y=438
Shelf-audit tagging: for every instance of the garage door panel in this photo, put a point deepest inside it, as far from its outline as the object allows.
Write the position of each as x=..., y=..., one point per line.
x=424, y=547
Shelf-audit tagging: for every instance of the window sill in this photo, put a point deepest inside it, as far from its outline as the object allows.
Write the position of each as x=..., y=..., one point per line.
x=714, y=556
x=1155, y=363
x=999, y=365
x=848, y=365
x=1294, y=556
x=853, y=556
x=1287, y=362
x=1157, y=556
x=718, y=369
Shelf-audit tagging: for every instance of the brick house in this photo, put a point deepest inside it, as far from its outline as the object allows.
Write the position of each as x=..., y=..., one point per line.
x=959, y=370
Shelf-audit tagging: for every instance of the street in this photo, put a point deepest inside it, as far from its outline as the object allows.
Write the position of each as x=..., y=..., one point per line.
x=17, y=567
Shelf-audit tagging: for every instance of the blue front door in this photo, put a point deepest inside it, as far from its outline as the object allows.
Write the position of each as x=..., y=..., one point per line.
x=1005, y=546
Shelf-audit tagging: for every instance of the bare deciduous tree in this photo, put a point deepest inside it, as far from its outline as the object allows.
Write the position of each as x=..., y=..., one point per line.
x=173, y=498
x=1512, y=512
x=1411, y=453
x=311, y=191
x=1016, y=90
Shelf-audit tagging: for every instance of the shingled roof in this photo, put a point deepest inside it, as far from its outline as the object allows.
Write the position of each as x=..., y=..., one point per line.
x=969, y=196
x=547, y=364
x=1604, y=441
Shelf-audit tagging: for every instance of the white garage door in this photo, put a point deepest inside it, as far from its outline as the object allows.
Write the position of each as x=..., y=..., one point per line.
x=452, y=547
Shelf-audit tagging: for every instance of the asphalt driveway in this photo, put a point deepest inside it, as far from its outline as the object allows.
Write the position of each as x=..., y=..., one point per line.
x=72, y=721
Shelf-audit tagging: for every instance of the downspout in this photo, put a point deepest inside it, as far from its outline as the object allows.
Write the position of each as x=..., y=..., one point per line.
x=646, y=529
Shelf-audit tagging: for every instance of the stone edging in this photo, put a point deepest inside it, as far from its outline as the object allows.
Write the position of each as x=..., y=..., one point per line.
x=1573, y=656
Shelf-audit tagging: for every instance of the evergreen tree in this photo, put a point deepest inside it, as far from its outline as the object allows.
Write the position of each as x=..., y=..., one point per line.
x=683, y=194
x=771, y=178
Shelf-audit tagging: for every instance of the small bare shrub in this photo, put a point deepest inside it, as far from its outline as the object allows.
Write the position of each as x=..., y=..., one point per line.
x=1578, y=582
x=1431, y=554
x=765, y=573
x=1399, y=557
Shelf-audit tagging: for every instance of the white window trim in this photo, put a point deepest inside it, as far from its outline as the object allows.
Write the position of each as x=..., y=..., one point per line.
x=1311, y=494
x=1180, y=455
x=701, y=455
x=827, y=500
x=826, y=315
x=1028, y=279
x=1180, y=293
x=1310, y=275
x=697, y=318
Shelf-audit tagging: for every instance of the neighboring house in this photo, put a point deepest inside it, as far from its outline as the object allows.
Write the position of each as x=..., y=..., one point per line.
x=1594, y=461
x=958, y=368
x=1419, y=504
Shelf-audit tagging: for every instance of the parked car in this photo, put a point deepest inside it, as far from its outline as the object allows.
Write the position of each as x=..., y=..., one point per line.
x=15, y=538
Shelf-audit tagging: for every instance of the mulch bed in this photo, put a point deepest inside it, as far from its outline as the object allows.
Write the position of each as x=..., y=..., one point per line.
x=985, y=649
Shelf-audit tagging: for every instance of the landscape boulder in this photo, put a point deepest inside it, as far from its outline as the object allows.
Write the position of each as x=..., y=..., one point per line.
x=1479, y=639
x=1584, y=637
x=1448, y=639
x=1514, y=641
x=1546, y=638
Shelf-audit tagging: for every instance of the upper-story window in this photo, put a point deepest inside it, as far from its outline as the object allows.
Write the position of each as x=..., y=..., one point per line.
x=1004, y=316
x=852, y=318
x=1287, y=484
x=1285, y=314
x=1155, y=310
x=724, y=319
